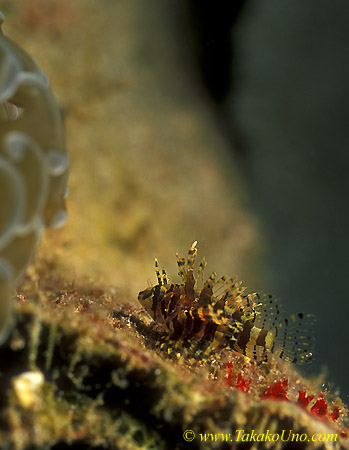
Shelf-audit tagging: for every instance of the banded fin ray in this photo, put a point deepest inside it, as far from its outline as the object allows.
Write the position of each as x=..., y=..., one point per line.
x=268, y=312
x=293, y=340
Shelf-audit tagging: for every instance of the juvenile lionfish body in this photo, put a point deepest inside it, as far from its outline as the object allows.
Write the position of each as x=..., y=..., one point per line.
x=220, y=315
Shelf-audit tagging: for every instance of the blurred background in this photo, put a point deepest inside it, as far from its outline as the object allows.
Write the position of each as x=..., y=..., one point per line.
x=224, y=122
x=278, y=73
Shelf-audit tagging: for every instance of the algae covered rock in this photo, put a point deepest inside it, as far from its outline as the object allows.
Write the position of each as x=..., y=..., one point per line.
x=85, y=371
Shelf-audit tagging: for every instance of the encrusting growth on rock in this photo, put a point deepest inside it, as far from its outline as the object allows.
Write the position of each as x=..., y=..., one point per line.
x=96, y=378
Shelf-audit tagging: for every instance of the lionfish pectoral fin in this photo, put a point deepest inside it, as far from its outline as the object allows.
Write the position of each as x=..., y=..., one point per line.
x=293, y=340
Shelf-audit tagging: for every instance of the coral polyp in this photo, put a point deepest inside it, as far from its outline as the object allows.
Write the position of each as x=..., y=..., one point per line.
x=33, y=165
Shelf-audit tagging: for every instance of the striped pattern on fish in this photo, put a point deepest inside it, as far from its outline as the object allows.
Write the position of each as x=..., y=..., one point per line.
x=216, y=314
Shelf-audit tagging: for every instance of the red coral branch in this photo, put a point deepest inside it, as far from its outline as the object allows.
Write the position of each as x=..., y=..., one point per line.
x=277, y=391
x=320, y=407
x=242, y=384
x=303, y=399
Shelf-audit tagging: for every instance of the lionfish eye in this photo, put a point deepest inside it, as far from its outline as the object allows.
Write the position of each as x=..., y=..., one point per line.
x=145, y=294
